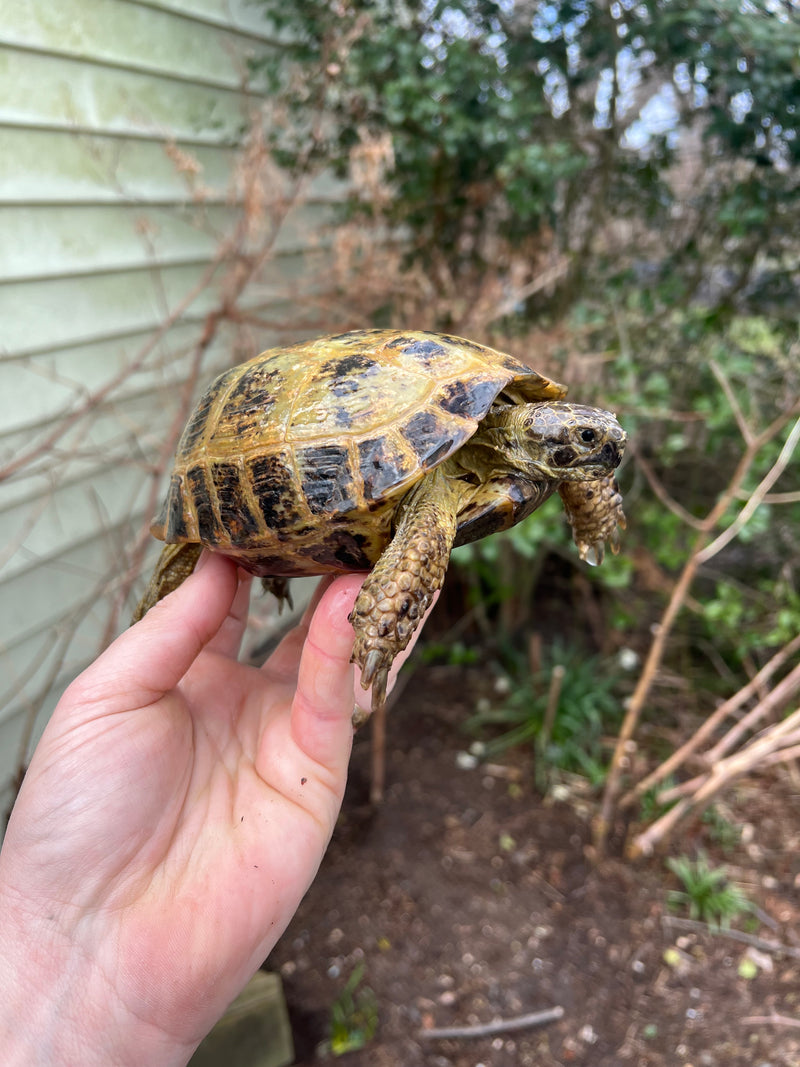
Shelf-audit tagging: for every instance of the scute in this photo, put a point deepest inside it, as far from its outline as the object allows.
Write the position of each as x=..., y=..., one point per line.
x=274, y=485
x=248, y=406
x=199, y=491
x=237, y=511
x=384, y=462
x=431, y=437
x=326, y=478
x=302, y=453
x=468, y=399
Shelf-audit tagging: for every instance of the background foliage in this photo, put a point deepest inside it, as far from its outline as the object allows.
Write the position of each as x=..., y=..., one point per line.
x=646, y=137
x=610, y=190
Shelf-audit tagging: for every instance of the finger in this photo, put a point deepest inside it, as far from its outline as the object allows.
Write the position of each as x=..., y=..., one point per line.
x=151, y=657
x=228, y=639
x=323, y=704
x=284, y=663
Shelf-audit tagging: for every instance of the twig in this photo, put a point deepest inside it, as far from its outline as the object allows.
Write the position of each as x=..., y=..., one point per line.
x=777, y=744
x=705, y=731
x=553, y=693
x=774, y=498
x=738, y=414
x=545, y=278
x=93, y=400
x=138, y=550
x=378, y=738
x=777, y=697
x=761, y=943
x=661, y=493
x=635, y=706
x=699, y=554
x=756, y=497
x=499, y=1026
x=770, y=1020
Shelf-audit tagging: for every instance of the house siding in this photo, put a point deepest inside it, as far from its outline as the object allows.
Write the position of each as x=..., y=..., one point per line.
x=121, y=123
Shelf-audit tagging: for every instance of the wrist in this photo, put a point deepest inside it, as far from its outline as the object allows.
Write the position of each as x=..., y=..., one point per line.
x=59, y=1009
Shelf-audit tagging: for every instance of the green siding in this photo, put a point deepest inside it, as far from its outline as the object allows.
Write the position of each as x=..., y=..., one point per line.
x=119, y=127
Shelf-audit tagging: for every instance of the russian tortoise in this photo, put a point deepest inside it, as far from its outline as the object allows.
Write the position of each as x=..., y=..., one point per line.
x=380, y=450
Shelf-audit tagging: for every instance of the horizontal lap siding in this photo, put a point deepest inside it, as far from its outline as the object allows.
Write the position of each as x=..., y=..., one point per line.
x=119, y=127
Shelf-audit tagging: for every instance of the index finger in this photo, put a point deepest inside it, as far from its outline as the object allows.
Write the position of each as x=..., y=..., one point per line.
x=322, y=708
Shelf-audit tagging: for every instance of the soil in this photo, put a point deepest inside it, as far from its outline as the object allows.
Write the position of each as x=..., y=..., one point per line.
x=469, y=897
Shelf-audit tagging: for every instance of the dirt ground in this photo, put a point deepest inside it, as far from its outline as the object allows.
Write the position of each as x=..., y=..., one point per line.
x=468, y=898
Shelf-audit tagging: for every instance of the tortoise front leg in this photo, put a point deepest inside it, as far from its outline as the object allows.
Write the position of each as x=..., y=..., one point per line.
x=594, y=510
x=401, y=586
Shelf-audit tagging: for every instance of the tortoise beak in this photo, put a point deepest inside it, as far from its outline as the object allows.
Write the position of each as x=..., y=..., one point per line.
x=610, y=455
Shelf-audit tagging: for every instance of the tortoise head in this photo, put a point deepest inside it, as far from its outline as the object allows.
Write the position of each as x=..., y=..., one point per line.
x=565, y=442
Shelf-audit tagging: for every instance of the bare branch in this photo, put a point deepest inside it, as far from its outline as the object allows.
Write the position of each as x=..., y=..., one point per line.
x=661, y=494
x=741, y=421
x=761, y=943
x=776, y=744
x=709, y=726
x=774, y=700
x=774, y=498
x=756, y=498
x=499, y=1026
x=699, y=554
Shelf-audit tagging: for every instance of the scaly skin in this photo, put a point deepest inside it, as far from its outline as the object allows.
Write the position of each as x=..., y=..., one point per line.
x=401, y=586
x=174, y=566
x=594, y=510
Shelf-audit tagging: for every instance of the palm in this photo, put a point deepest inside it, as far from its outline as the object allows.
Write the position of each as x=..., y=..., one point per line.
x=198, y=806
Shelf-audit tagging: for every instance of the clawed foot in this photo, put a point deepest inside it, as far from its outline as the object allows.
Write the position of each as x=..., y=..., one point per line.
x=384, y=619
x=395, y=596
x=594, y=510
x=594, y=553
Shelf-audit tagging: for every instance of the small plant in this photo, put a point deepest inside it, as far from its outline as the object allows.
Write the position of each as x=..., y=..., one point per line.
x=709, y=895
x=354, y=1016
x=650, y=807
x=454, y=654
x=568, y=734
x=721, y=830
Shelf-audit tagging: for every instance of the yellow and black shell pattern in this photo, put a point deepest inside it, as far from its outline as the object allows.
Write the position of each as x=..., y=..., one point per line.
x=294, y=462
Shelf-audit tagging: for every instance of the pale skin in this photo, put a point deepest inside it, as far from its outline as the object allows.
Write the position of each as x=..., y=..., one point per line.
x=172, y=817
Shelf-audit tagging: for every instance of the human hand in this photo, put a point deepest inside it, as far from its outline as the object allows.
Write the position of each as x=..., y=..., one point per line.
x=173, y=816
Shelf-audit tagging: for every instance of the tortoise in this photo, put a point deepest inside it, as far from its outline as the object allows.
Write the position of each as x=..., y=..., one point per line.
x=380, y=450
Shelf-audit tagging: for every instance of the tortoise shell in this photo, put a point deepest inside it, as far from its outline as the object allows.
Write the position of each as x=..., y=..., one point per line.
x=294, y=462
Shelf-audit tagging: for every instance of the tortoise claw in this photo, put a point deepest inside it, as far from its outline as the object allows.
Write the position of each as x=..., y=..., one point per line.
x=379, y=689
x=375, y=673
x=370, y=667
x=592, y=554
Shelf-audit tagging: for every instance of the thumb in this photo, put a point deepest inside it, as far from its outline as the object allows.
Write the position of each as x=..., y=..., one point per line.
x=151, y=657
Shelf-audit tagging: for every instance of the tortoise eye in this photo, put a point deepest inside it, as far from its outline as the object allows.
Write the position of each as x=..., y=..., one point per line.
x=588, y=436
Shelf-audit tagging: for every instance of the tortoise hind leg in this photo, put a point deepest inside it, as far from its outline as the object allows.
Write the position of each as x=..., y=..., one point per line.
x=278, y=585
x=398, y=591
x=174, y=566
